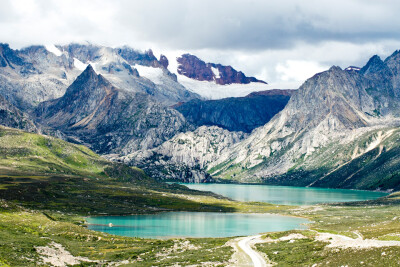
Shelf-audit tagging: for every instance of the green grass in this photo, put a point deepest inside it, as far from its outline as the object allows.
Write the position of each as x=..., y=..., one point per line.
x=302, y=252
x=307, y=252
x=376, y=219
x=23, y=230
x=28, y=152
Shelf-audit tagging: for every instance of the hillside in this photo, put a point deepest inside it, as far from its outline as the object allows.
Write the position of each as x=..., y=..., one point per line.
x=334, y=132
x=46, y=173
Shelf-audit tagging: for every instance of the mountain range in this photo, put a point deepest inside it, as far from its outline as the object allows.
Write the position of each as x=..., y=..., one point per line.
x=339, y=129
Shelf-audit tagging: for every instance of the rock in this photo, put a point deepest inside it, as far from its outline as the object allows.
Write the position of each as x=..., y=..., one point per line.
x=12, y=117
x=186, y=155
x=195, y=68
x=164, y=61
x=236, y=114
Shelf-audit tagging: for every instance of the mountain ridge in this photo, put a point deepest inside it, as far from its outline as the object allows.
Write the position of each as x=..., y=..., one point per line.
x=108, y=119
x=331, y=106
x=333, y=111
x=195, y=68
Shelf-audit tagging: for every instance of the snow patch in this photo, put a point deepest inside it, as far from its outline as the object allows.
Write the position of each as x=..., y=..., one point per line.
x=79, y=64
x=153, y=74
x=53, y=49
x=216, y=72
x=352, y=68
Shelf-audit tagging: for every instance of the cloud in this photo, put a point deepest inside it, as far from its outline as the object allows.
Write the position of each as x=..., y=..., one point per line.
x=266, y=39
x=239, y=24
x=295, y=70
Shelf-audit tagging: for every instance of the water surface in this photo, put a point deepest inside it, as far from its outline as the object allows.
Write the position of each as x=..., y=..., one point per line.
x=214, y=224
x=286, y=195
x=194, y=224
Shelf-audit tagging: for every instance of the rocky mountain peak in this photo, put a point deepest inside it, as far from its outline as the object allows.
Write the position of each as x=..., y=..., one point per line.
x=393, y=62
x=373, y=65
x=195, y=68
x=9, y=57
x=336, y=93
x=88, y=79
x=133, y=56
x=82, y=98
x=395, y=55
x=89, y=71
x=335, y=69
x=164, y=61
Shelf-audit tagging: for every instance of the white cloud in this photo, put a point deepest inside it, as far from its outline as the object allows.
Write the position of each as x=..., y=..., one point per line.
x=266, y=39
x=298, y=70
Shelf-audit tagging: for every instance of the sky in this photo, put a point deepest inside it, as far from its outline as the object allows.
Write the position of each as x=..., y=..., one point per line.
x=282, y=42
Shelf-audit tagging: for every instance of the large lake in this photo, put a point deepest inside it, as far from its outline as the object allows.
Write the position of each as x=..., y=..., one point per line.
x=286, y=195
x=214, y=224
x=193, y=224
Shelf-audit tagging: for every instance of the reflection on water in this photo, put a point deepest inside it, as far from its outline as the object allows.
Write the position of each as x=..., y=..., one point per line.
x=286, y=195
x=206, y=224
x=194, y=224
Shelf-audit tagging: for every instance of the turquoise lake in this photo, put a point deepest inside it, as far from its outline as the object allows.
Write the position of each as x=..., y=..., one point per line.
x=286, y=195
x=194, y=224
x=214, y=224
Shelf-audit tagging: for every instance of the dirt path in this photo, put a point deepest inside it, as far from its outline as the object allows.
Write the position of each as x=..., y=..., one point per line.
x=245, y=255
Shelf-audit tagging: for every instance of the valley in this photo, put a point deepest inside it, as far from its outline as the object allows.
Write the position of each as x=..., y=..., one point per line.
x=91, y=134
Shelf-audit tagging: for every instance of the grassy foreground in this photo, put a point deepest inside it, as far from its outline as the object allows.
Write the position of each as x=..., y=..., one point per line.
x=23, y=232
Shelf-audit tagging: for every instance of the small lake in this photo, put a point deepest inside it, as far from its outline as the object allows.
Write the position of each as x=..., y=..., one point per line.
x=194, y=224
x=286, y=195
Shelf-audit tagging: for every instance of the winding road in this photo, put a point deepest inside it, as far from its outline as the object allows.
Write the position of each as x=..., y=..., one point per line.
x=245, y=255
x=245, y=245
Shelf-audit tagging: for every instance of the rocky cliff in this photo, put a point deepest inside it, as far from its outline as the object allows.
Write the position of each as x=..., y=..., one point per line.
x=236, y=113
x=12, y=117
x=186, y=155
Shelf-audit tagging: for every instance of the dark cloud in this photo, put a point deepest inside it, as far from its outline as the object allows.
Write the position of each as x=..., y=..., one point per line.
x=259, y=24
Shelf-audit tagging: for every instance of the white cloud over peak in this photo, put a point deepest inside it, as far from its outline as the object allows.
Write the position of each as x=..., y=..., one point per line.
x=281, y=42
